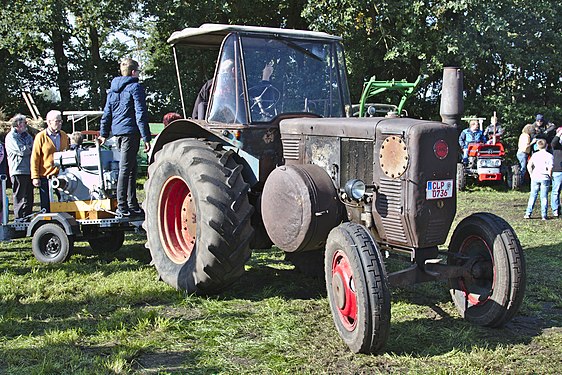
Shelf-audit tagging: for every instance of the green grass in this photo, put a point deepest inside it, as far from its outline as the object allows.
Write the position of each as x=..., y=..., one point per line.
x=108, y=314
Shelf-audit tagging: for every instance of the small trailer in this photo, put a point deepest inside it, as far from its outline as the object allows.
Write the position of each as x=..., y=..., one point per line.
x=85, y=209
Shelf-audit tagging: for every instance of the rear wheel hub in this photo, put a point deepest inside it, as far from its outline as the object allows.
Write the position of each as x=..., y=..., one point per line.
x=177, y=219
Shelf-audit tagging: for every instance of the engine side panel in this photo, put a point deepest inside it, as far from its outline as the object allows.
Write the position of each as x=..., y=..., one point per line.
x=355, y=148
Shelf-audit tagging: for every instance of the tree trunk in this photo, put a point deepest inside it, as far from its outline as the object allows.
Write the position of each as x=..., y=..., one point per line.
x=97, y=82
x=63, y=78
x=294, y=18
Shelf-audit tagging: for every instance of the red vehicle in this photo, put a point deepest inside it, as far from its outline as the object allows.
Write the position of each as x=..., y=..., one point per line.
x=486, y=162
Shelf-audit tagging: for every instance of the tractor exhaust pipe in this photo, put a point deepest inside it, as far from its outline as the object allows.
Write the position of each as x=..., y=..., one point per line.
x=452, y=97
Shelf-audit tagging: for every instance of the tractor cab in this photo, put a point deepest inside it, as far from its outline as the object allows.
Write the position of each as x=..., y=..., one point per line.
x=276, y=73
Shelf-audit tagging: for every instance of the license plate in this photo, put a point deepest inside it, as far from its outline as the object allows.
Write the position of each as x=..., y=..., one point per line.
x=439, y=189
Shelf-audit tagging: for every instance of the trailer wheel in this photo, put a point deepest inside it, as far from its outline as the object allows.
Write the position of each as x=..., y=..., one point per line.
x=461, y=177
x=493, y=291
x=50, y=244
x=357, y=288
x=108, y=242
x=197, y=216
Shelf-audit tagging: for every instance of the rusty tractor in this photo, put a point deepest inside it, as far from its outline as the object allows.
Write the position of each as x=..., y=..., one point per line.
x=280, y=160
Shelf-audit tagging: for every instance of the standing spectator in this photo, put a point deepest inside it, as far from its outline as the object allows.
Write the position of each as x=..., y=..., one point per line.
x=543, y=129
x=3, y=171
x=125, y=114
x=472, y=134
x=18, y=148
x=556, y=173
x=524, y=148
x=540, y=169
x=46, y=143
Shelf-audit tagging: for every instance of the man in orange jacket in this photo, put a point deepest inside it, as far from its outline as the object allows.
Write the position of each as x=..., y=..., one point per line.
x=46, y=143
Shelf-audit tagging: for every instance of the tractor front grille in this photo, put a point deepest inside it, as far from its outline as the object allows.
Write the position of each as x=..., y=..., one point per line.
x=291, y=149
x=388, y=204
x=356, y=160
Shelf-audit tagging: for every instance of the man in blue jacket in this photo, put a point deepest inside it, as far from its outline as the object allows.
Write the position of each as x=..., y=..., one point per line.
x=125, y=114
x=472, y=134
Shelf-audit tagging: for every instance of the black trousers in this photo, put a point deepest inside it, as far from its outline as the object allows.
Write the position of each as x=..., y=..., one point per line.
x=128, y=146
x=23, y=195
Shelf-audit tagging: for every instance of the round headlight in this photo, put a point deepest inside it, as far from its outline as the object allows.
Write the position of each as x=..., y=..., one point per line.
x=355, y=189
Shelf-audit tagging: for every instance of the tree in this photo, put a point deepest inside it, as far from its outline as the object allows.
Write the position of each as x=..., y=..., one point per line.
x=64, y=44
x=165, y=17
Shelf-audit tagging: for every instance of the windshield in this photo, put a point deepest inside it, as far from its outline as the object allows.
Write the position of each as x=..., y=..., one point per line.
x=293, y=76
x=227, y=105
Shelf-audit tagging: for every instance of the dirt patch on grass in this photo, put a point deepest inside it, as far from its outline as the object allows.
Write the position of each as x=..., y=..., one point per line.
x=159, y=362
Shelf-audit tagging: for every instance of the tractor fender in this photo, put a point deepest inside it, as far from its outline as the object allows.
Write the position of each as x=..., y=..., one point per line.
x=183, y=128
x=197, y=129
x=67, y=222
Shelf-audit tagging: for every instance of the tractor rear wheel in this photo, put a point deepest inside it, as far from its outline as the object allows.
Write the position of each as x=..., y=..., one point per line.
x=358, y=288
x=515, y=177
x=197, y=216
x=492, y=292
x=461, y=177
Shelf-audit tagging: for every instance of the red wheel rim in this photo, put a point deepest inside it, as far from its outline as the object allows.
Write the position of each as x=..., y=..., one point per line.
x=177, y=220
x=344, y=291
x=478, y=288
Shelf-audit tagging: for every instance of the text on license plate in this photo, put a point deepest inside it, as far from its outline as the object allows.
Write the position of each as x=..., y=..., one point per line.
x=438, y=189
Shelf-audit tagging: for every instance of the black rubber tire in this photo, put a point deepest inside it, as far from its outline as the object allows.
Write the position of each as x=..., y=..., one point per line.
x=260, y=239
x=515, y=179
x=108, y=242
x=219, y=208
x=51, y=244
x=352, y=253
x=479, y=298
x=461, y=177
x=309, y=263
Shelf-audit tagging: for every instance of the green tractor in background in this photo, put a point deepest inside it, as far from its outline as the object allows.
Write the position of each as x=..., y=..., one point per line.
x=373, y=88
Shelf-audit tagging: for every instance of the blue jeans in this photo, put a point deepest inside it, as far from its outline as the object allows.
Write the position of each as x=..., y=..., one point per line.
x=128, y=146
x=523, y=157
x=465, y=156
x=555, y=195
x=536, y=186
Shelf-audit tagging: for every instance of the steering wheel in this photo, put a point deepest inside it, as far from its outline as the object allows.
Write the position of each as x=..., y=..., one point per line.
x=263, y=98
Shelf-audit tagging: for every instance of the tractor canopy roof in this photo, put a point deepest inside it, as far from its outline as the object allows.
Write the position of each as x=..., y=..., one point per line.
x=211, y=35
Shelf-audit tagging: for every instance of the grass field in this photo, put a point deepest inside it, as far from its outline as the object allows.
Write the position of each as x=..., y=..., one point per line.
x=109, y=314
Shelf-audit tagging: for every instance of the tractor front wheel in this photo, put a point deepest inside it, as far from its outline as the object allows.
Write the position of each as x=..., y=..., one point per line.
x=197, y=216
x=357, y=288
x=492, y=292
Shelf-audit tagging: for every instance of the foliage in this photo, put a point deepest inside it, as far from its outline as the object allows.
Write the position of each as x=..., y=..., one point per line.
x=508, y=49
x=63, y=44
